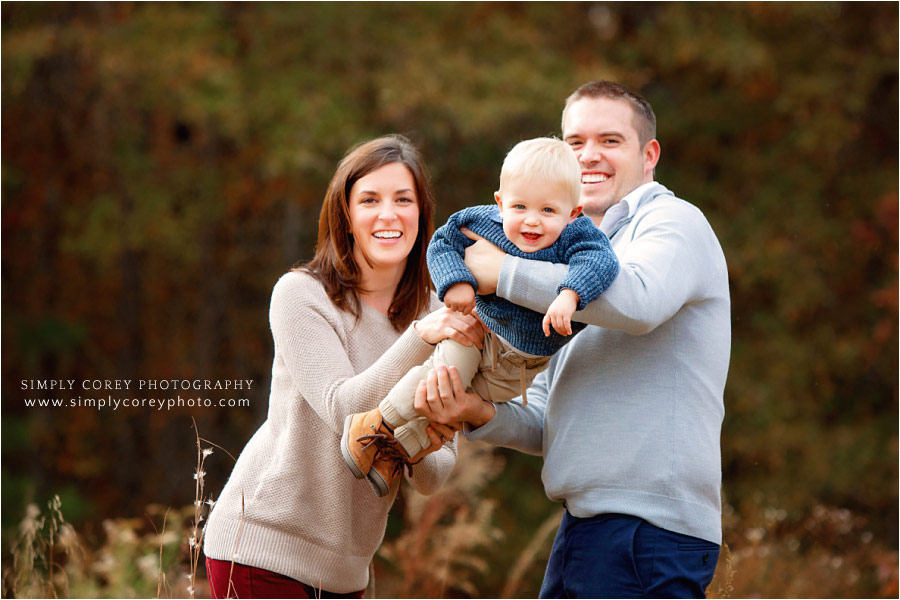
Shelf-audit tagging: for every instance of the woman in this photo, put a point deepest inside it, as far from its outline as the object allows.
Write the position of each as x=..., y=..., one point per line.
x=292, y=518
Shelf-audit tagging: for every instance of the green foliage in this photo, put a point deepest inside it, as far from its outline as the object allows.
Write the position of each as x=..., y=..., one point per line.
x=163, y=163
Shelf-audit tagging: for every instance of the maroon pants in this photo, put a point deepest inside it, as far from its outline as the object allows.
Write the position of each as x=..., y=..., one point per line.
x=251, y=582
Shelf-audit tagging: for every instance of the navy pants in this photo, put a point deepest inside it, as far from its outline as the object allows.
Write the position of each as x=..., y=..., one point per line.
x=620, y=556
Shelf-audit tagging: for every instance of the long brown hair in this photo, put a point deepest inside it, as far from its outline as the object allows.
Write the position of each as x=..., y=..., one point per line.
x=333, y=264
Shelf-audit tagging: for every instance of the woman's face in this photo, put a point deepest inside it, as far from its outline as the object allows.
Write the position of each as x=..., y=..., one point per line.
x=384, y=216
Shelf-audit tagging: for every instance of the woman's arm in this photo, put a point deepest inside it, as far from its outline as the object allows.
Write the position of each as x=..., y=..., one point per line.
x=431, y=473
x=305, y=328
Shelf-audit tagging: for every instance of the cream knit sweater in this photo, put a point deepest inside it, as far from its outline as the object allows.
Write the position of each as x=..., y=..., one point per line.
x=304, y=515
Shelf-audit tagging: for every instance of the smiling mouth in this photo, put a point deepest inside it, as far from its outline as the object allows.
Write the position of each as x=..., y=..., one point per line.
x=387, y=235
x=531, y=237
x=594, y=177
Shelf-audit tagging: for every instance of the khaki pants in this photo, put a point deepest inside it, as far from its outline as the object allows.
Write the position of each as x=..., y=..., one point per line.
x=497, y=373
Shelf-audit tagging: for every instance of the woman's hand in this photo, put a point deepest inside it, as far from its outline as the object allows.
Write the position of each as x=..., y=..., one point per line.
x=445, y=324
x=439, y=435
x=442, y=398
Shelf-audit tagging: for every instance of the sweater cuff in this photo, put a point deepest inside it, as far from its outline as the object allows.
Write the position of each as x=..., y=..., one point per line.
x=505, y=278
x=446, y=270
x=486, y=432
x=434, y=470
x=581, y=294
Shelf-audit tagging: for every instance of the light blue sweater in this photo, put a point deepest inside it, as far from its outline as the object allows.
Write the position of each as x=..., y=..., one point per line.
x=628, y=415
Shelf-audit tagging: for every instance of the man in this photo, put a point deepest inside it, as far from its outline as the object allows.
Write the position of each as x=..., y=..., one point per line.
x=628, y=415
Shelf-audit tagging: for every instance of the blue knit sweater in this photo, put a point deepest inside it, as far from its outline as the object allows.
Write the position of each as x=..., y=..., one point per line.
x=586, y=249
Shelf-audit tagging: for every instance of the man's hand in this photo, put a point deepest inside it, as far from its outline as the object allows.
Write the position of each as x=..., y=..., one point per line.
x=442, y=399
x=484, y=261
x=560, y=313
x=460, y=297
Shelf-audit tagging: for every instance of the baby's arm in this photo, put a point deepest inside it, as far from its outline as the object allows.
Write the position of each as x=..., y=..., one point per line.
x=460, y=297
x=592, y=267
x=559, y=314
x=592, y=263
x=445, y=258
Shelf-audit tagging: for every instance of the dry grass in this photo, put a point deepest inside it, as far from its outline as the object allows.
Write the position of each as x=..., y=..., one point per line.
x=34, y=571
x=446, y=548
x=202, y=505
x=448, y=536
x=153, y=556
x=825, y=552
x=538, y=545
x=134, y=558
x=722, y=585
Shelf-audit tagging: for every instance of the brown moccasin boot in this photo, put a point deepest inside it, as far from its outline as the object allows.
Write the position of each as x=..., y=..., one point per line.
x=390, y=460
x=358, y=440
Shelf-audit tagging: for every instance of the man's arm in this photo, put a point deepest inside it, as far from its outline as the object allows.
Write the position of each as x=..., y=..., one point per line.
x=664, y=268
x=442, y=399
x=484, y=261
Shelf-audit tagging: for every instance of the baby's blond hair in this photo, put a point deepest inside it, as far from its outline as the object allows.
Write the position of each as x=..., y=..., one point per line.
x=544, y=158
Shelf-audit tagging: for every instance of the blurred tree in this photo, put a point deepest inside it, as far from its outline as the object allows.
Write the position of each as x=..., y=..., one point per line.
x=163, y=163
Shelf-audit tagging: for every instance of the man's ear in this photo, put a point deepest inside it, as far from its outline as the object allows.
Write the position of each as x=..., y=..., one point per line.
x=575, y=212
x=498, y=199
x=651, y=156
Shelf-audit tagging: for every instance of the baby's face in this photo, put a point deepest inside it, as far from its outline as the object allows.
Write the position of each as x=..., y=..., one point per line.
x=535, y=212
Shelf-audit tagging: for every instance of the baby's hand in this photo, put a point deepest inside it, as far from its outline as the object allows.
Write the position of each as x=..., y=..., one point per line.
x=460, y=297
x=560, y=313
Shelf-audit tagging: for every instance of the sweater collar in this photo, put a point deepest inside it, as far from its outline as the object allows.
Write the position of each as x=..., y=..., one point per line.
x=623, y=211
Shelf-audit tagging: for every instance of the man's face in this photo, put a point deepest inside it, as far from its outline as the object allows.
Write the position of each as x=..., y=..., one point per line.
x=601, y=132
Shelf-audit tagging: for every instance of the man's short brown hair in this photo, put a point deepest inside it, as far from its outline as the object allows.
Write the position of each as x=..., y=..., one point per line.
x=644, y=117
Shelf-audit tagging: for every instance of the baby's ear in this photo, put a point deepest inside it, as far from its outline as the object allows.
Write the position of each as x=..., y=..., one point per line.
x=498, y=199
x=575, y=212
